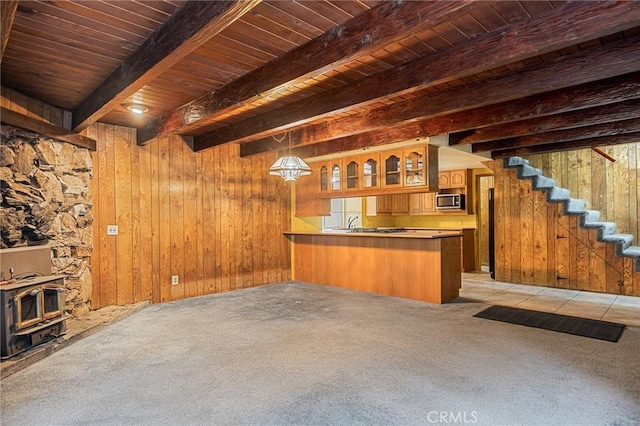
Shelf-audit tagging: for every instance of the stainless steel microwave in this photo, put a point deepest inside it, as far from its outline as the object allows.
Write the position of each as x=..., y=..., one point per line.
x=450, y=201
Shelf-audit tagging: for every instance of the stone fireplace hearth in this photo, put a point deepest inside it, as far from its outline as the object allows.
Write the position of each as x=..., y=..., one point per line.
x=46, y=196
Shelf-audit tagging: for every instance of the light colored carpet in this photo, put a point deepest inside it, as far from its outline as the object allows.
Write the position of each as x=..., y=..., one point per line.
x=297, y=353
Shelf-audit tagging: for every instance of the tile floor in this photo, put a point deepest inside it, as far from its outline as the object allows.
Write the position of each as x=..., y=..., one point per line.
x=479, y=286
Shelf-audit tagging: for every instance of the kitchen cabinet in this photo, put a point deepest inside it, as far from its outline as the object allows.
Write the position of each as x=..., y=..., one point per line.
x=458, y=178
x=444, y=179
x=378, y=205
x=457, y=182
x=323, y=173
x=352, y=174
x=411, y=167
x=383, y=204
x=370, y=171
x=422, y=203
x=468, y=261
x=397, y=204
x=423, y=267
x=405, y=170
x=307, y=201
x=391, y=170
x=389, y=175
x=421, y=167
x=452, y=179
x=414, y=167
x=335, y=175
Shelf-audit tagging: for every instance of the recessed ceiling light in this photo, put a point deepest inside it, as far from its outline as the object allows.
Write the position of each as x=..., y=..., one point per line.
x=136, y=108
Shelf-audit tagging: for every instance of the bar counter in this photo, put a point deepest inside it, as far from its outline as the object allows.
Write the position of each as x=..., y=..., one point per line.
x=420, y=265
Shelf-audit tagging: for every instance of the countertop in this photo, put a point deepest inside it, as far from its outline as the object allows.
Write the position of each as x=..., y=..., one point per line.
x=409, y=233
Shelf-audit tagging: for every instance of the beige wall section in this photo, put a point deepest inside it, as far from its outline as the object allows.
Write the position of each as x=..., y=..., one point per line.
x=212, y=218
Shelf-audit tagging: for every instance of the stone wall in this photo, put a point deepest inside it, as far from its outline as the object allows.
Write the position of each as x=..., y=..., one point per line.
x=46, y=195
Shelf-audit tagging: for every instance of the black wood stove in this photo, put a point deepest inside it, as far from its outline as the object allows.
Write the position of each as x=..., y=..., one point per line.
x=32, y=313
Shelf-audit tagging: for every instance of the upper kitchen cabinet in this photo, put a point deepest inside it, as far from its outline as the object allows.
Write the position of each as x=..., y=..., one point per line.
x=458, y=182
x=307, y=201
x=452, y=179
x=370, y=171
x=444, y=179
x=323, y=181
x=352, y=174
x=335, y=175
x=391, y=169
x=421, y=167
x=403, y=170
x=458, y=178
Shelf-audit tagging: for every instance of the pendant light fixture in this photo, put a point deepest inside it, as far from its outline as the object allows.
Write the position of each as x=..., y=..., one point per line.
x=289, y=167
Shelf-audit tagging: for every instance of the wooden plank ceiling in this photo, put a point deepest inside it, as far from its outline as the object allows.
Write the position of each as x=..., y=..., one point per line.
x=508, y=77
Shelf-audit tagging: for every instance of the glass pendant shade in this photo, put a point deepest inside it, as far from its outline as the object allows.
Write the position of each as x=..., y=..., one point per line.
x=290, y=168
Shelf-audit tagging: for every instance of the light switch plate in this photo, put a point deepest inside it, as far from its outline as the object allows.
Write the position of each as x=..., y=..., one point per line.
x=112, y=229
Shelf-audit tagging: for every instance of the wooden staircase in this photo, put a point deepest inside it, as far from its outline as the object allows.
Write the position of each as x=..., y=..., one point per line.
x=588, y=219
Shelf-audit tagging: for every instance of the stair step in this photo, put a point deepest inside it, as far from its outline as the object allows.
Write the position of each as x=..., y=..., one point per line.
x=609, y=227
x=573, y=206
x=541, y=182
x=622, y=241
x=558, y=195
x=526, y=171
x=623, y=238
x=604, y=229
x=590, y=217
x=633, y=251
x=514, y=162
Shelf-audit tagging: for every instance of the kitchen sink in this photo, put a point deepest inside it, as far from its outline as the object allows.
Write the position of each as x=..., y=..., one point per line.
x=377, y=230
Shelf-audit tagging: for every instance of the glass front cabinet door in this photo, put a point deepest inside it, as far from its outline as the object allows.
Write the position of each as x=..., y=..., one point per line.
x=353, y=175
x=392, y=170
x=323, y=175
x=370, y=178
x=336, y=176
x=414, y=170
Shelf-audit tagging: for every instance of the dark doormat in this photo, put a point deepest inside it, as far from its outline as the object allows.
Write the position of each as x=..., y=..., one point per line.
x=596, y=329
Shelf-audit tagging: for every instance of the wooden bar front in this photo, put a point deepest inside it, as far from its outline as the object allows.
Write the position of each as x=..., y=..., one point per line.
x=426, y=269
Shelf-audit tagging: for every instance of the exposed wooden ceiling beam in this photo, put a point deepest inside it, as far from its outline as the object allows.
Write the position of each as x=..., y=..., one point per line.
x=362, y=140
x=602, y=114
x=360, y=36
x=7, y=14
x=569, y=145
x=16, y=119
x=546, y=32
x=586, y=132
x=194, y=23
x=317, y=140
x=604, y=62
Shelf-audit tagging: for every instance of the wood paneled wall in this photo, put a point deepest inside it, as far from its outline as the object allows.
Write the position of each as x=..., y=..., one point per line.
x=613, y=188
x=536, y=244
x=211, y=218
x=30, y=107
x=486, y=182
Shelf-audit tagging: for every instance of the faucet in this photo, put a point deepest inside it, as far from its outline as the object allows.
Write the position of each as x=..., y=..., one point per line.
x=350, y=221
